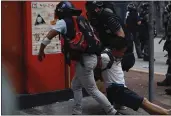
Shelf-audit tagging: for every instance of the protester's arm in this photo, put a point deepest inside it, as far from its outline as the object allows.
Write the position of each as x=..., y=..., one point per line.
x=60, y=27
x=52, y=33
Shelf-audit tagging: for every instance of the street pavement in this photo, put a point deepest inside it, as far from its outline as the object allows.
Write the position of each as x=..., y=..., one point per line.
x=160, y=63
x=136, y=79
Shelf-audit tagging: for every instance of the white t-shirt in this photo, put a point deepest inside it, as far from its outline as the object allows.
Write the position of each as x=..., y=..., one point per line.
x=60, y=26
x=114, y=74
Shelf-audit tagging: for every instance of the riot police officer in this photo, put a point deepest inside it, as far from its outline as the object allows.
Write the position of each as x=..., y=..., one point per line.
x=167, y=47
x=165, y=17
x=132, y=21
x=144, y=30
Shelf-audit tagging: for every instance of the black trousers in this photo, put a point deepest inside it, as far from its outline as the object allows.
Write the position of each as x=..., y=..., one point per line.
x=133, y=39
x=144, y=39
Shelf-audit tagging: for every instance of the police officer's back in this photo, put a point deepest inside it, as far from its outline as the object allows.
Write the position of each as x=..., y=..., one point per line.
x=144, y=29
x=106, y=23
x=132, y=17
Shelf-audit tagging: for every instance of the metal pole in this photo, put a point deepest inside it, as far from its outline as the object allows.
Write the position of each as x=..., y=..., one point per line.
x=151, y=52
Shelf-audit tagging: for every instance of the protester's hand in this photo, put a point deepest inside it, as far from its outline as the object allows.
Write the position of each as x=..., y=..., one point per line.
x=41, y=56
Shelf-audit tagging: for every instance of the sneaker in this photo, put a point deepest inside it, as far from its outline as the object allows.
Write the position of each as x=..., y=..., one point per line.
x=119, y=107
x=76, y=111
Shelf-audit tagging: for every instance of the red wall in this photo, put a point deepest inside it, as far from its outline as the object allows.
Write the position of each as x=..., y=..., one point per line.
x=48, y=75
x=42, y=76
x=12, y=43
x=27, y=73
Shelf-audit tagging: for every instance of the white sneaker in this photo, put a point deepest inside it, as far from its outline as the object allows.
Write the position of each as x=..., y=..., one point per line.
x=76, y=111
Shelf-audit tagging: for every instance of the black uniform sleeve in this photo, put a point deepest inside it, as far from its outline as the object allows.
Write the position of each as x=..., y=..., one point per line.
x=111, y=20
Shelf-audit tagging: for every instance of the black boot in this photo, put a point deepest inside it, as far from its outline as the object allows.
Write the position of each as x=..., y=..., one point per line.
x=168, y=91
x=166, y=82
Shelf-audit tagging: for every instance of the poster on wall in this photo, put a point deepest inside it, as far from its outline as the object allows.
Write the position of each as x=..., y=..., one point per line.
x=42, y=15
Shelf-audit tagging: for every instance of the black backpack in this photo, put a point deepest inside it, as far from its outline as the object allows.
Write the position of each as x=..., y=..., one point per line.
x=80, y=38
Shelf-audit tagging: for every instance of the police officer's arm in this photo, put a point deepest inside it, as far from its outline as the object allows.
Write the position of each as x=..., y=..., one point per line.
x=113, y=23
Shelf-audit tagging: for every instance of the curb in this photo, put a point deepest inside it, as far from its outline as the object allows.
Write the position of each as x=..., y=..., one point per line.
x=144, y=71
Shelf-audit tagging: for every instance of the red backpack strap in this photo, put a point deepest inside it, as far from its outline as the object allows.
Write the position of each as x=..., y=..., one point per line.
x=76, y=24
x=78, y=32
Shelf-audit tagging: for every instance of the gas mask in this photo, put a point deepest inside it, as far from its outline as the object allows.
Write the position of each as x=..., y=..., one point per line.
x=94, y=8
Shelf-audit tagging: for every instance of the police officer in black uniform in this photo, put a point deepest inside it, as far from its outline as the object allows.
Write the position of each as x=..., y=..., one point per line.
x=132, y=21
x=167, y=47
x=144, y=30
x=110, y=29
x=105, y=21
x=165, y=22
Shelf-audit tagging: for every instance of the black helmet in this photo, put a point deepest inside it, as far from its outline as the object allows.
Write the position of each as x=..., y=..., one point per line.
x=93, y=9
x=145, y=6
x=168, y=8
x=66, y=9
x=131, y=7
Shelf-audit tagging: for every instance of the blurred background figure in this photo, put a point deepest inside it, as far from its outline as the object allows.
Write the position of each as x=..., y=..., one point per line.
x=132, y=21
x=8, y=96
x=167, y=46
x=167, y=25
x=144, y=30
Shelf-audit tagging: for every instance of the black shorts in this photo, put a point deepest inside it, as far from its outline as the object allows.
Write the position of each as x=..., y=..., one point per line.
x=123, y=96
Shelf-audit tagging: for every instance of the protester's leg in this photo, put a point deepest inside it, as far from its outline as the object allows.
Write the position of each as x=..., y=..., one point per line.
x=153, y=108
x=86, y=77
x=77, y=90
x=124, y=96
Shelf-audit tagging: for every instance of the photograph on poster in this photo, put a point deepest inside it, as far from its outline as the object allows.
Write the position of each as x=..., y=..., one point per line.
x=42, y=16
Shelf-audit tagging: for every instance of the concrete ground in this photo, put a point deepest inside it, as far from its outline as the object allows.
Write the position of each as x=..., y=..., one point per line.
x=137, y=80
x=160, y=63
